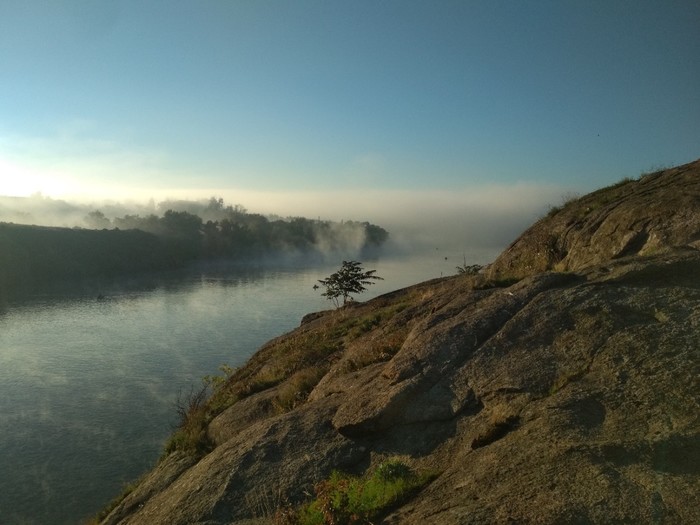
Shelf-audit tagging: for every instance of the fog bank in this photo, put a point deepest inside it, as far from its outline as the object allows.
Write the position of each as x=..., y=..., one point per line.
x=481, y=220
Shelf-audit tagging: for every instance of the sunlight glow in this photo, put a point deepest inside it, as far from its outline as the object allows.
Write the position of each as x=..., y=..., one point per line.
x=23, y=181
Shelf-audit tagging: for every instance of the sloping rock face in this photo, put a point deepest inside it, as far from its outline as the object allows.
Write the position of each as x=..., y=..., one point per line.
x=568, y=397
x=634, y=217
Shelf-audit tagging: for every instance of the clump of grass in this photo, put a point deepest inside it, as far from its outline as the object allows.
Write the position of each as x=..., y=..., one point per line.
x=567, y=199
x=654, y=170
x=622, y=182
x=217, y=381
x=264, y=504
x=383, y=350
x=290, y=356
x=191, y=433
x=553, y=210
x=359, y=326
x=346, y=500
x=297, y=388
x=364, y=325
x=267, y=377
x=487, y=284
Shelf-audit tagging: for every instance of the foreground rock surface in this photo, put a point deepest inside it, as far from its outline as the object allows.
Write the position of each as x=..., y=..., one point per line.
x=563, y=398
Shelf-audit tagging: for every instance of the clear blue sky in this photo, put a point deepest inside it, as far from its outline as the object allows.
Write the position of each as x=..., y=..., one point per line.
x=279, y=100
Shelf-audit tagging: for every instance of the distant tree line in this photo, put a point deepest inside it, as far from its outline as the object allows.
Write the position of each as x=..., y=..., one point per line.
x=34, y=256
x=214, y=230
x=31, y=256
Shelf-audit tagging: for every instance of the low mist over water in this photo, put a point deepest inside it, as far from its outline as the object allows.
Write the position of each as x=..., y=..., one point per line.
x=483, y=218
x=91, y=369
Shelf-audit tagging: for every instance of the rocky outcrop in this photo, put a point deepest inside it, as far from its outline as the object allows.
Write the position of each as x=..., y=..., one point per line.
x=655, y=213
x=567, y=397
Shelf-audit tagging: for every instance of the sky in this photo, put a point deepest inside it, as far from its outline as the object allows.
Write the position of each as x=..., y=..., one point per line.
x=364, y=110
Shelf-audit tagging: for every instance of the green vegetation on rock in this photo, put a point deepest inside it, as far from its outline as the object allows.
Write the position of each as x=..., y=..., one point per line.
x=350, y=500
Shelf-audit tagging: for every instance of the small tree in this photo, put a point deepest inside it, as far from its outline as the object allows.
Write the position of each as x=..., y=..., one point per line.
x=350, y=279
x=471, y=269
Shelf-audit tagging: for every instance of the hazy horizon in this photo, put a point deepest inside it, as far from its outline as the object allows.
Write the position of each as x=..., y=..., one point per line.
x=364, y=109
x=483, y=220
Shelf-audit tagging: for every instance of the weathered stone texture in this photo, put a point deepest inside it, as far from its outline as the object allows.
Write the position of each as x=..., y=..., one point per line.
x=564, y=398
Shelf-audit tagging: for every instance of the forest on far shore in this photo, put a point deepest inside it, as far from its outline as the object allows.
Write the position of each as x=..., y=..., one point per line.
x=32, y=256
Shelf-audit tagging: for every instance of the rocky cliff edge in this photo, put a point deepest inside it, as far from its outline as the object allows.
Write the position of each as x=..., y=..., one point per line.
x=559, y=386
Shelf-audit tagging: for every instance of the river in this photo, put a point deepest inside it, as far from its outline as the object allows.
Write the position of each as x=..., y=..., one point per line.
x=89, y=377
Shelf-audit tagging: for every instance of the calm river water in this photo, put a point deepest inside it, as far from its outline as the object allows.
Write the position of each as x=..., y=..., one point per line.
x=88, y=385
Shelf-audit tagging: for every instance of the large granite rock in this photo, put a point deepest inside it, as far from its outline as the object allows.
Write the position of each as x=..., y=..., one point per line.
x=571, y=396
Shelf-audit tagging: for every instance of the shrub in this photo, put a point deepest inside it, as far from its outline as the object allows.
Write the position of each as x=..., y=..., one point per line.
x=191, y=434
x=350, y=500
x=469, y=269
